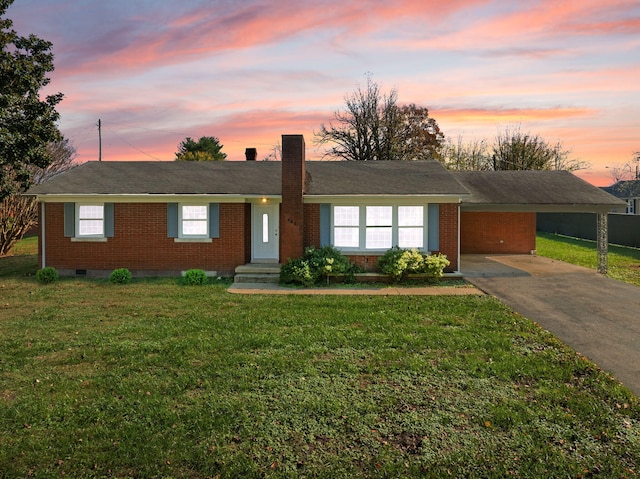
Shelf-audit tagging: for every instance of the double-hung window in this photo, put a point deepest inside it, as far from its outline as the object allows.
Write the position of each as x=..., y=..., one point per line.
x=194, y=221
x=411, y=226
x=90, y=221
x=346, y=232
x=379, y=227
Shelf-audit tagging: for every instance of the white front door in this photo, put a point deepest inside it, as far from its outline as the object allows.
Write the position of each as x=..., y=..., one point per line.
x=265, y=247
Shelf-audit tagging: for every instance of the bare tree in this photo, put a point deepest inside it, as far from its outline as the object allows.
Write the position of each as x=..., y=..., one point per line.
x=371, y=126
x=275, y=154
x=467, y=156
x=19, y=214
x=516, y=150
x=511, y=150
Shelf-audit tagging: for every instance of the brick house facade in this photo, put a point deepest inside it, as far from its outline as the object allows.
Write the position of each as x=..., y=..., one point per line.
x=162, y=218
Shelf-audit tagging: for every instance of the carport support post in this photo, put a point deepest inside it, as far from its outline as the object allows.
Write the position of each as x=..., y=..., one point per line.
x=603, y=242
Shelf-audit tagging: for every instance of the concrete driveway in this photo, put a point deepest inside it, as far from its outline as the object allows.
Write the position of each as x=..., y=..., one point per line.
x=597, y=316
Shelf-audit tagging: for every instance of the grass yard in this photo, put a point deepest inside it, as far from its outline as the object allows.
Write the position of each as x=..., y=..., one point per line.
x=624, y=263
x=154, y=379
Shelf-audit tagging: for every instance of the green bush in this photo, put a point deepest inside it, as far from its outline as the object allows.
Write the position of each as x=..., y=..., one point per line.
x=120, y=276
x=435, y=264
x=316, y=266
x=195, y=277
x=47, y=275
x=398, y=263
x=298, y=271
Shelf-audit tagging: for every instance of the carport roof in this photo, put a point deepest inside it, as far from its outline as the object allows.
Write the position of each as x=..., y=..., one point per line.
x=535, y=191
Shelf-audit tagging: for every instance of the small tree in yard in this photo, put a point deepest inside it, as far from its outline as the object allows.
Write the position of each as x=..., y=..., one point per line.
x=19, y=214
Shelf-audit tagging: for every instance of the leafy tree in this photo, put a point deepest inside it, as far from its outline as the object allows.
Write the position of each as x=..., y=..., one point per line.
x=207, y=148
x=27, y=122
x=373, y=127
x=19, y=214
x=420, y=137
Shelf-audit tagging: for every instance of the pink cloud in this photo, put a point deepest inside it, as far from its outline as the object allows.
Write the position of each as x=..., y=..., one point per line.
x=154, y=39
x=510, y=115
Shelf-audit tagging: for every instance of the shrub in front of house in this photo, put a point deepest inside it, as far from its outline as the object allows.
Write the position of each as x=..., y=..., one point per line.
x=398, y=263
x=195, y=277
x=47, y=275
x=435, y=264
x=316, y=266
x=120, y=276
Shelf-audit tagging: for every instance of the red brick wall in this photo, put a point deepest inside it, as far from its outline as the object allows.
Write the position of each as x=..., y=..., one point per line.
x=311, y=225
x=507, y=233
x=140, y=242
x=449, y=233
x=292, y=206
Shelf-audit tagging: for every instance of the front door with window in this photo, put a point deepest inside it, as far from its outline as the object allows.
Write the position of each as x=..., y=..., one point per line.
x=264, y=242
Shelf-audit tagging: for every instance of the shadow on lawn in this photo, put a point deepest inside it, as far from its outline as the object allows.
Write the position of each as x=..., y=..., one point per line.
x=22, y=259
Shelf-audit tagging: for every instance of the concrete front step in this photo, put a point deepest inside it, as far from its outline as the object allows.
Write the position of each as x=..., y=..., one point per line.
x=258, y=268
x=257, y=273
x=256, y=278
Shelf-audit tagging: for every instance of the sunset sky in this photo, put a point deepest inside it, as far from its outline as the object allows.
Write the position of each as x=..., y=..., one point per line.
x=247, y=71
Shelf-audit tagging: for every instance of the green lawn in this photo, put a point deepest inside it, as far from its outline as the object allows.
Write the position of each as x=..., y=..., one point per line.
x=624, y=263
x=23, y=259
x=154, y=379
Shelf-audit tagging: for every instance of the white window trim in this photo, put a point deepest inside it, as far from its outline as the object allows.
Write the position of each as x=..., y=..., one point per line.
x=631, y=206
x=77, y=219
x=182, y=237
x=361, y=249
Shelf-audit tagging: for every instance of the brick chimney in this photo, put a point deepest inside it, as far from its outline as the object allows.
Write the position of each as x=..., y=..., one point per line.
x=251, y=154
x=292, y=206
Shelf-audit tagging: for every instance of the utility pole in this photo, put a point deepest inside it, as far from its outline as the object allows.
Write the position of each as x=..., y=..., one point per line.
x=99, y=140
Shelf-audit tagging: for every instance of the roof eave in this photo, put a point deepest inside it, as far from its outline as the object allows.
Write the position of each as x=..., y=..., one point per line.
x=538, y=208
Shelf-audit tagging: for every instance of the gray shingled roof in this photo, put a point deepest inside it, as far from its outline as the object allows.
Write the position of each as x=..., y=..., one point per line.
x=329, y=178
x=381, y=178
x=252, y=178
x=624, y=189
x=166, y=177
x=522, y=188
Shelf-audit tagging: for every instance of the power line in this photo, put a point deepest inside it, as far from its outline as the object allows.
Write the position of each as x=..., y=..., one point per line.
x=136, y=148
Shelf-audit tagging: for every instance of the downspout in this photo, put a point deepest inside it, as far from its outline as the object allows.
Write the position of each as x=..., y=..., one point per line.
x=42, y=236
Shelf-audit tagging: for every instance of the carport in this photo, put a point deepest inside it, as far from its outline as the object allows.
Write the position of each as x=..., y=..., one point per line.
x=499, y=215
